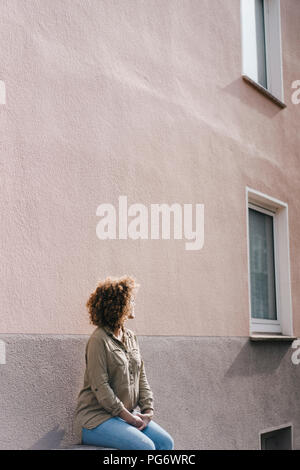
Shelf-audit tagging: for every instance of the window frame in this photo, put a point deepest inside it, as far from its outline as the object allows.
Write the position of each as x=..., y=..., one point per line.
x=265, y=325
x=281, y=262
x=274, y=430
x=273, y=48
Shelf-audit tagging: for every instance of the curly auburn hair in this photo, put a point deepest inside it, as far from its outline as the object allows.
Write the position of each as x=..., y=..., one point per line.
x=109, y=304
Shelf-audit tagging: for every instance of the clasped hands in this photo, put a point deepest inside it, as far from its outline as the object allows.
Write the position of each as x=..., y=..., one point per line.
x=141, y=420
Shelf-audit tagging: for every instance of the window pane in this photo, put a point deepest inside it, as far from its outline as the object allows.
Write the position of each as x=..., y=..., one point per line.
x=262, y=268
x=260, y=43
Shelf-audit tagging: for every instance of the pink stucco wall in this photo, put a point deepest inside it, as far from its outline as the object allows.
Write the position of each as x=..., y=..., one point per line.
x=144, y=99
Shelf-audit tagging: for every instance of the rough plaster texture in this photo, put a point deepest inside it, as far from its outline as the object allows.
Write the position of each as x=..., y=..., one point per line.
x=210, y=393
x=144, y=99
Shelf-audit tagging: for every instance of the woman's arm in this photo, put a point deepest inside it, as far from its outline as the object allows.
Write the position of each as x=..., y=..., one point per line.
x=146, y=399
x=128, y=417
x=148, y=411
x=97, y=372
x=98, y=377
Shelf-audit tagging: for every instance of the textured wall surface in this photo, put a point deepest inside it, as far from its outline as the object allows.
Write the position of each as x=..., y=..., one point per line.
x=214, y=393
x=144, y=99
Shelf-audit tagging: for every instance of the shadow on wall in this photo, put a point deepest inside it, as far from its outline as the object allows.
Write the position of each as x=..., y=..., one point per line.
x=258, y=358
x=50, y=440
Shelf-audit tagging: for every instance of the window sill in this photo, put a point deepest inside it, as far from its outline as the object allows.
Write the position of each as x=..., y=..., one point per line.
x=264, y=91
x=269, y=337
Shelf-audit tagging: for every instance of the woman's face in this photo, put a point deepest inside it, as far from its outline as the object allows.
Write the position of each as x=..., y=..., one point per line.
x=130, y=314
x=132, y=305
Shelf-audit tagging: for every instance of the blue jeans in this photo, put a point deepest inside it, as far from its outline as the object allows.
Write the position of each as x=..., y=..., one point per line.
x=118, y=434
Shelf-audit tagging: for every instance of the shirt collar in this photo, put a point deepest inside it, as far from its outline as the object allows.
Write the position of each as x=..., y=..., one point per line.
x=108, y=330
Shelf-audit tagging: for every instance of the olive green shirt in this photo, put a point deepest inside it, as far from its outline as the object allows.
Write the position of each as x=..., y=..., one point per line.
x=114, y=378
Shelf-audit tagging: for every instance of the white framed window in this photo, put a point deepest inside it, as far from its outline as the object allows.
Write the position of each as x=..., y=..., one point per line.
x=263, y=279
x=270, y=302
x=261, y=45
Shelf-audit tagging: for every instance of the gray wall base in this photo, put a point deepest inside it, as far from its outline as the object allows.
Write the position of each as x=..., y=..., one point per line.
x=210, y=392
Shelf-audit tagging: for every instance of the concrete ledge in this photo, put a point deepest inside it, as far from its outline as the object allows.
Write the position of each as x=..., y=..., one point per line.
x=266, y=337
x=227, y=390
x=264, y=91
